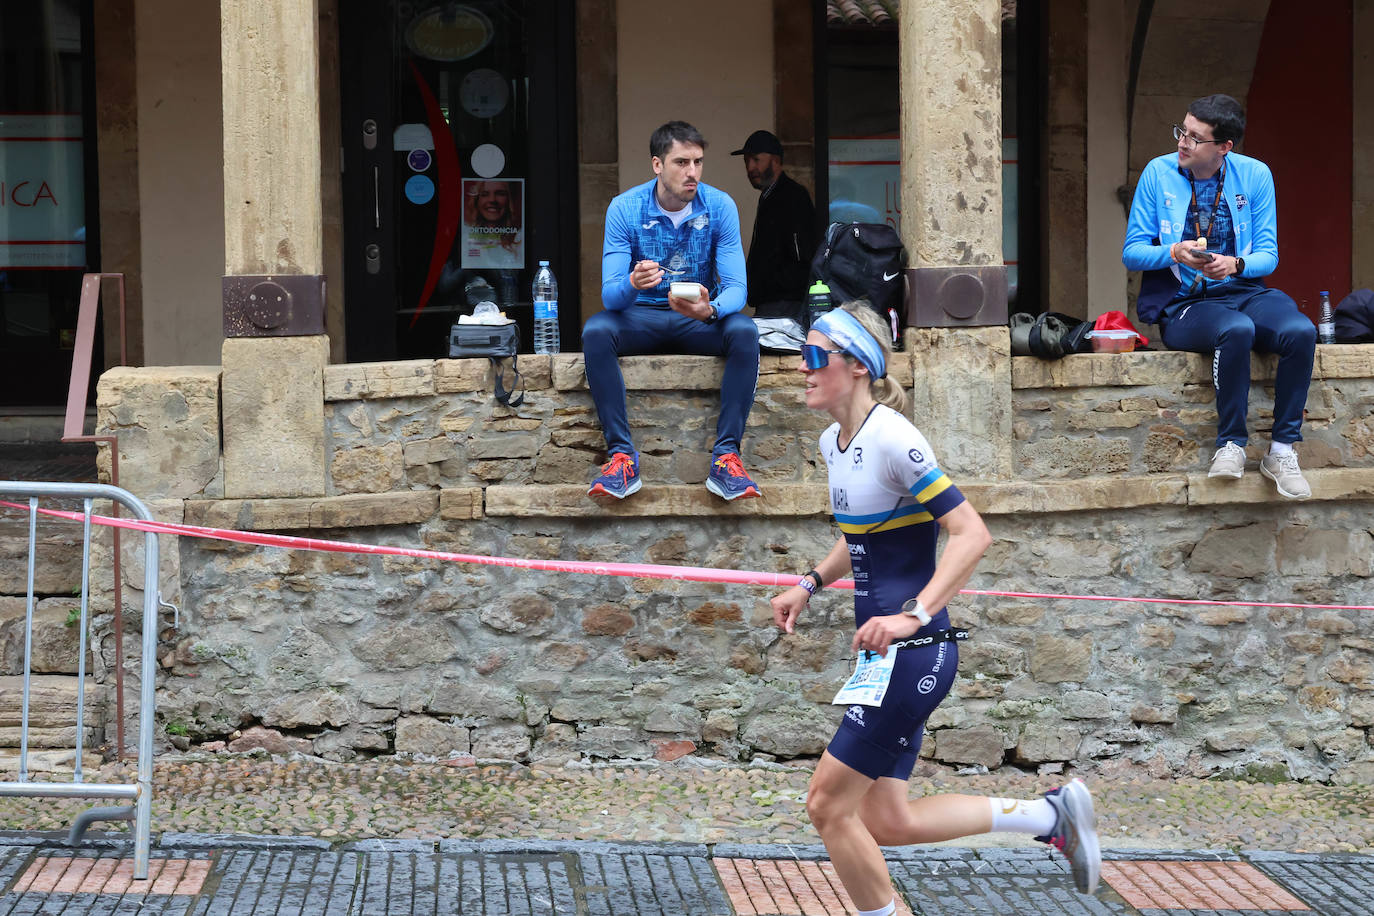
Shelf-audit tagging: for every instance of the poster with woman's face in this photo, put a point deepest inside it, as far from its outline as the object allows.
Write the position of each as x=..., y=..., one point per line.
x=493, y=223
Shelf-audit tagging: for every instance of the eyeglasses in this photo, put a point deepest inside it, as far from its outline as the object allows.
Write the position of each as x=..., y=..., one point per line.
x=1193, y=142
x=816, y=357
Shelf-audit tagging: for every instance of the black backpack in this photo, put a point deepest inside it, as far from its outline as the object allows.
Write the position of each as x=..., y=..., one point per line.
x=863, y=261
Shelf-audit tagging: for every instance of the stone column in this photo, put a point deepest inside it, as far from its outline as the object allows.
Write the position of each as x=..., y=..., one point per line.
x=275, y=354
x=951, y=122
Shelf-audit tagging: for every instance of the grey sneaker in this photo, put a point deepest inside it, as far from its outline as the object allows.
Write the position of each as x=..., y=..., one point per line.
x=1075, y=833
x=1229, y=461
x=1287, y=476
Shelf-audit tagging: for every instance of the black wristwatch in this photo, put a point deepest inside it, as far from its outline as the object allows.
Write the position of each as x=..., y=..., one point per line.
x=1240, y=266
x=715, y=312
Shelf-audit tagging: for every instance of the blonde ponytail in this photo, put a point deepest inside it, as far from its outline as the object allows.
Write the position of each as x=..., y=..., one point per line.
x=885, y=391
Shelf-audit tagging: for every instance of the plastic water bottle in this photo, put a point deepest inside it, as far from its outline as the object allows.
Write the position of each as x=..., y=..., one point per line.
x=817, y=302
x=545, y=310
x=1326, y=327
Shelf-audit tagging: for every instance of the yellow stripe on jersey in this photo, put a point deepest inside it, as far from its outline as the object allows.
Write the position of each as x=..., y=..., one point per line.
x=938, y=486
x=904, y=521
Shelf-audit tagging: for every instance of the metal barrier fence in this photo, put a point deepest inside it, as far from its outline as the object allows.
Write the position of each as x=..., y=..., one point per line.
x=140, y=792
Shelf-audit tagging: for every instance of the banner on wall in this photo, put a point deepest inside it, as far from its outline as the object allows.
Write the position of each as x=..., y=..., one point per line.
x=42, y=191
x=494, y=223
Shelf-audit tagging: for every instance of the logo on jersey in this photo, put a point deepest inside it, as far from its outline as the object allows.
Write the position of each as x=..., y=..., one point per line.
x=839, y=499
x=926, y=684
x=651, y=224
x=916, y=456
x=856, y=715
x=858, y=455
x=1240, y=201
x=700, y=222
x=857, y=550
x=903, y=742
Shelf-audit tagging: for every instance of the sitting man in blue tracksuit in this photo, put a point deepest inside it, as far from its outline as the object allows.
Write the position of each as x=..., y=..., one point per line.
x=669, y=231
x=1204, y=228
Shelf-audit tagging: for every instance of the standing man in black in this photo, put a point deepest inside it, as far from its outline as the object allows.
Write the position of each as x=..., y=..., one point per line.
x=784, y=231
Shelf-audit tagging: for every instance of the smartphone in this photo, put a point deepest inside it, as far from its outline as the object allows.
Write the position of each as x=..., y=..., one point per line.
x=1205, y=255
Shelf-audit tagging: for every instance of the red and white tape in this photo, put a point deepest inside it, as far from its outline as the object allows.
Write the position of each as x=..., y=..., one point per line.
x=631, y=570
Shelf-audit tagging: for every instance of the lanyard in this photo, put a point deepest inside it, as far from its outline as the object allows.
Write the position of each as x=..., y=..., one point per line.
x=1200, y=229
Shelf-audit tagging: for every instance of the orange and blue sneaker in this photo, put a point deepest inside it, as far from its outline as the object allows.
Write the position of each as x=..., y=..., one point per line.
x=1075, y=833
x=728, y=479
x=619, y=477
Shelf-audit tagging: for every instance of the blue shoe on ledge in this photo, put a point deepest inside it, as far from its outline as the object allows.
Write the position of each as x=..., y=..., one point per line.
x=728, y=479
x=619, y=477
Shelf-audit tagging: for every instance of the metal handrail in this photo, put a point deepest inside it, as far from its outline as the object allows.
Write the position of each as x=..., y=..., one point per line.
x=73, y=430
x=141, y=791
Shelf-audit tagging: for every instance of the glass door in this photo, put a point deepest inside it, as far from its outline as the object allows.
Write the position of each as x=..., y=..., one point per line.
x=457, y=167
x=47, y=236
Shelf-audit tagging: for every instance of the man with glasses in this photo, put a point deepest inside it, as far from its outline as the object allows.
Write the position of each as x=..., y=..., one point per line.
x=672, y=281
x=1203, y=227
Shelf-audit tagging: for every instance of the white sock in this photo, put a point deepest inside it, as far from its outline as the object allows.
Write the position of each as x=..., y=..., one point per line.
x=888, y=910
x=1034, y=817
x=1279, y=449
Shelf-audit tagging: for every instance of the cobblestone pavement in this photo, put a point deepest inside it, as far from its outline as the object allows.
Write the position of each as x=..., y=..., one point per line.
x=257, y=835
x=682, y=802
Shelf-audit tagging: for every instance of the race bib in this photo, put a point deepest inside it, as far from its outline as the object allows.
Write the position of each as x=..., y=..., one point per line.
x=868, y=684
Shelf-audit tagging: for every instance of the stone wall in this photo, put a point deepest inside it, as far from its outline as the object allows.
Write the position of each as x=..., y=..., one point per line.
x=340, y=654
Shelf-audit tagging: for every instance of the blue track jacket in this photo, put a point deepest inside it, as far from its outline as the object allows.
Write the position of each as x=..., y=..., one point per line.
x=707, y=245
x=1157, y=221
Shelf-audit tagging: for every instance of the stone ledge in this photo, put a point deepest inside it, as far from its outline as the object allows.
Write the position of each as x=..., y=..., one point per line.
x=572, y=501
x=1012, y=497
x=668, y=372
x=1254, y=487
x=1170, y=368
x=351, y=381
x=1345, y=361
x=357, y=510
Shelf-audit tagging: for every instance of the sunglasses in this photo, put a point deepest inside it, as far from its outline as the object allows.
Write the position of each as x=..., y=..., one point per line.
x=816, y=357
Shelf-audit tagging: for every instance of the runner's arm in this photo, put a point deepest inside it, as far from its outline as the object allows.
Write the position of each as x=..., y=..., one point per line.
x=787, y=607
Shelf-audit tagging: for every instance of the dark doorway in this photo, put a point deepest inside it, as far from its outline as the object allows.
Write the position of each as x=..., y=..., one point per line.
x=459, y=152
x=48, y=212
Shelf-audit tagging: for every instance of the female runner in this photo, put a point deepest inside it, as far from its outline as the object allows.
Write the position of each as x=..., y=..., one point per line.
x=889, y=498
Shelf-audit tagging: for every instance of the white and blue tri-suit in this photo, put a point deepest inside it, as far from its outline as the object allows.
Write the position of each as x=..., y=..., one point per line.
x=886, y=492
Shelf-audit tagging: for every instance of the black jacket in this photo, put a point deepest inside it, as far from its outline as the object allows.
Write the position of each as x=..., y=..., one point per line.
x=784, y=240
x=1354, y=318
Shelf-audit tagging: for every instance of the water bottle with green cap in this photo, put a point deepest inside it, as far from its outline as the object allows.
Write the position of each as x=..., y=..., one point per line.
x=817, y=302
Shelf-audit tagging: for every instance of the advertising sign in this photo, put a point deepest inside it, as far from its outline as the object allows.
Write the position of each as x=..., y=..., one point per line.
x=42, y=192
x=494, y=223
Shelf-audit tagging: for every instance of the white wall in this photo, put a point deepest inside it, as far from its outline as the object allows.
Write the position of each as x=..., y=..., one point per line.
x=710, y=64
x=180, y=180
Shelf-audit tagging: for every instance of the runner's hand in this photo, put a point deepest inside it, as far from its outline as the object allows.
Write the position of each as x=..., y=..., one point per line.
x=787, y=607
x=878, y=633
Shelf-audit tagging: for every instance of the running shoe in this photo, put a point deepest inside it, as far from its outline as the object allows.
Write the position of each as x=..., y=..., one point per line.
x=1287, y=476
x=728, y=479
x=1229, y=461
x=619, y=477
x=1075, y=833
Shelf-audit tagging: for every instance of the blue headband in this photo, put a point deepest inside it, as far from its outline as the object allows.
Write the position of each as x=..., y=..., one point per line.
x=854, y=339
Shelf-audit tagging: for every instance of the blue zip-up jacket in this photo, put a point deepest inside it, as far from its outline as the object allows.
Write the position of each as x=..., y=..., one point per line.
x=707, y=247
x=1158, y=214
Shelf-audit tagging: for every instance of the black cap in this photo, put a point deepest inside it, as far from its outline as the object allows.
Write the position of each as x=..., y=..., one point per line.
x=760, y=141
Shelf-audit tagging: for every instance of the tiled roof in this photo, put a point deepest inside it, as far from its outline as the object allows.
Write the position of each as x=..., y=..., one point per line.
x=879, y=13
